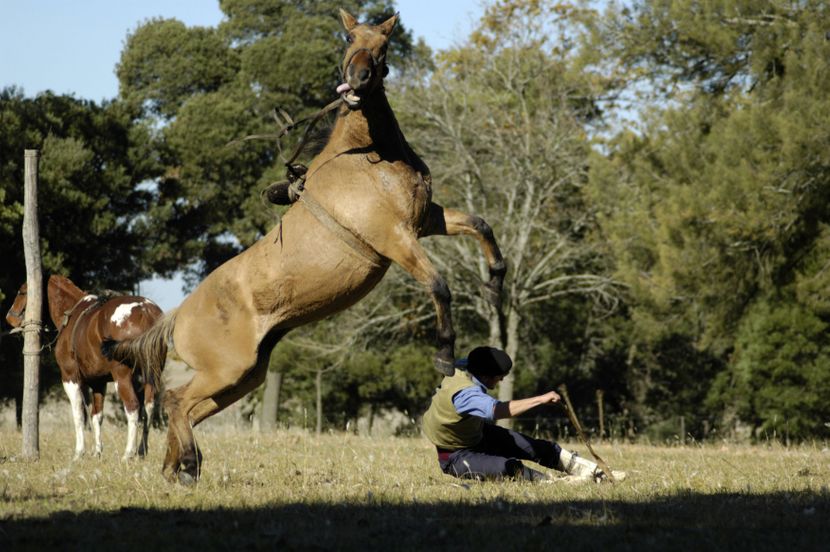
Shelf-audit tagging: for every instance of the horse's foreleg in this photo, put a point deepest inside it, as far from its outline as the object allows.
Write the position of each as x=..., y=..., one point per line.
x=405, y=250
x=76, y=402
x=449, y=222
x=99, y=389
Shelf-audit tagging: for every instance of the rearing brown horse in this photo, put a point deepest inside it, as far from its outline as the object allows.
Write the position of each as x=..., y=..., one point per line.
x=83, y=321
x=367, y=201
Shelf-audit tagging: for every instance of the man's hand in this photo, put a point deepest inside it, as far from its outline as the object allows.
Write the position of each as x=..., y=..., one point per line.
x=550, y=397
x=517, y=407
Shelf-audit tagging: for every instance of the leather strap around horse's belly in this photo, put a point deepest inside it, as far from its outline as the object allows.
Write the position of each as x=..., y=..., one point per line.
x=350, y=238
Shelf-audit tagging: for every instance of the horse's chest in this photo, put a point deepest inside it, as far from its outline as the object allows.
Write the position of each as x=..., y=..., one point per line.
x=411, y=190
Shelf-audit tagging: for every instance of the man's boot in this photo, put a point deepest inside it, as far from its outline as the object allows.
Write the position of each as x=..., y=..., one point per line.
x=584, y=469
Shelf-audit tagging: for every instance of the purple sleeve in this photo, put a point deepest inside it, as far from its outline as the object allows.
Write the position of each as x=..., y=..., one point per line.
x=474, y=402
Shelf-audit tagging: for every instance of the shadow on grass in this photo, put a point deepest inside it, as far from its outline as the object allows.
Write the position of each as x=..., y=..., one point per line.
x=779, y=521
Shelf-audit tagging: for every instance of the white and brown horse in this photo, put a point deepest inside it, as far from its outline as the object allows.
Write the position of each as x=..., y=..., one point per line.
x=83, y=321
x=366, y=202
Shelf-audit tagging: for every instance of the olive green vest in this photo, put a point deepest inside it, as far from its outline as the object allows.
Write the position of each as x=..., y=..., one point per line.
x=445, y=427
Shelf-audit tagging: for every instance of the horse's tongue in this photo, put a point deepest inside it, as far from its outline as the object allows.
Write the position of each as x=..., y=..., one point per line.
x=343, y=88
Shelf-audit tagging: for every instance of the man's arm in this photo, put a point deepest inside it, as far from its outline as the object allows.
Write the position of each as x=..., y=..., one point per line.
x=515, y=408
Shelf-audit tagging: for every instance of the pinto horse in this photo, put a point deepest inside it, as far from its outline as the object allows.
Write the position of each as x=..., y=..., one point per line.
x=366, y=201
x=82, y=320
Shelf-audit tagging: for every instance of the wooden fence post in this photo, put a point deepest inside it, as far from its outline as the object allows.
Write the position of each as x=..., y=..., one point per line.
x=270, y=400
x=32, y=323
x=601, y=413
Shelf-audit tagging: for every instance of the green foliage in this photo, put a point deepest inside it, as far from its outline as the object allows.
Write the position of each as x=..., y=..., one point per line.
x=501, y=122
x=89, y=198
x=90, y=201
x=779, y=378
x=164, y=63
x=368, y=382
x=719, y=200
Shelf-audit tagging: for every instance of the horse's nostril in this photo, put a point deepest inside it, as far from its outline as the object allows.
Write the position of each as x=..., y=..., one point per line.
x=363, y=75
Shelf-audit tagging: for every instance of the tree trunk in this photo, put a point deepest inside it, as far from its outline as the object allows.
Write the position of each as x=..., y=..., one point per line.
x=271, y=401
x=512, y=349
x=318, y=383
x=32, y=320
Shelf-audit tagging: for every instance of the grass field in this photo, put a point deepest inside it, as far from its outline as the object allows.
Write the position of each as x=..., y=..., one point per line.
x=293, y=491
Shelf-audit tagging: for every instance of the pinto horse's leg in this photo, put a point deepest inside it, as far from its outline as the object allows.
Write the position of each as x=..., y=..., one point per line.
x=99, y=389
x=449, y=222
x=147, y=418
x=123, y=381
x=404, y=249
x=76, y=402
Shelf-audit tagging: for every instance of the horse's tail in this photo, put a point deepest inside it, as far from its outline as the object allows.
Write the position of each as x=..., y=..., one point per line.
x=147, y=351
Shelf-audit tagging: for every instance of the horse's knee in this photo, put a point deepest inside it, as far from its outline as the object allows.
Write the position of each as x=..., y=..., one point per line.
x=482, y=228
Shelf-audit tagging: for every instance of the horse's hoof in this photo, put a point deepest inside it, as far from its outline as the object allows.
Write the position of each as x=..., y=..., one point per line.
x=78, y=455
x=186, y=479
x=169, y=474
x=446, y=367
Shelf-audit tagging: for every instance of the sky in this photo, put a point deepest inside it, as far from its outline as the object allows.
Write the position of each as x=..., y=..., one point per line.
x=72, y=47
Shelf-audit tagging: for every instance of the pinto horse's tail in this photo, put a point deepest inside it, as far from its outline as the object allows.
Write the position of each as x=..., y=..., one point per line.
x=147, y=351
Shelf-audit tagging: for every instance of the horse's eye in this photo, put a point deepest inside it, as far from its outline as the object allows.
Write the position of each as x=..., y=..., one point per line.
x=349, y=38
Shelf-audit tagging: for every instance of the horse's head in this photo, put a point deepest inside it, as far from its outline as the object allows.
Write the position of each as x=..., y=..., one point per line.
x=364, y=64
x=15, y=315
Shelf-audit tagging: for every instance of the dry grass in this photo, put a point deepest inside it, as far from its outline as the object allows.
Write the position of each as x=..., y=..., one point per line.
x=291, y=490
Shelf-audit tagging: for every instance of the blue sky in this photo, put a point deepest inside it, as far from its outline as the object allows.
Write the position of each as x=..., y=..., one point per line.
x=72, y=46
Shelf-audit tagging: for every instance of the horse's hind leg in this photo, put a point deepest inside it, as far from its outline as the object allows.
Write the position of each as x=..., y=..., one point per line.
x=147, y=417
x=199, y=399
x=76, y=401
x=208, y=407
x=124, y=384
x=99, y=389
x=180, y=442
x=183, y=460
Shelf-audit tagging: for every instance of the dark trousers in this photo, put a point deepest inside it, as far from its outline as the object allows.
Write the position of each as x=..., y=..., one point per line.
x=499, y=454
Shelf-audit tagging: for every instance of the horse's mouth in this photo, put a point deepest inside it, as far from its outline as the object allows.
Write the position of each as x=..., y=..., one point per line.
x=349, y=96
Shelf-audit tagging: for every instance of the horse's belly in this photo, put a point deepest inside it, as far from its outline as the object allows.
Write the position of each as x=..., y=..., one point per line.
x=290, y=277
x=313, y=282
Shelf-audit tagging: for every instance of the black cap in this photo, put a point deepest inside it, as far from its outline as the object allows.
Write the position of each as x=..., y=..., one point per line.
x=488, y=361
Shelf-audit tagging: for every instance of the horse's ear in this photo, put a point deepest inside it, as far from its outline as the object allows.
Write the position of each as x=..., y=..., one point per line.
x=389, y=25
x=349, y=21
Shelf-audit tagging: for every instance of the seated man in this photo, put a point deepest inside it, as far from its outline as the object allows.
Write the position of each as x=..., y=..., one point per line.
x=459, y=422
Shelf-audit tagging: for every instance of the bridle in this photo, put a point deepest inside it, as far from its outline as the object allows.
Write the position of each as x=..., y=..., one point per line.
x=18, y=314
x=376, y=62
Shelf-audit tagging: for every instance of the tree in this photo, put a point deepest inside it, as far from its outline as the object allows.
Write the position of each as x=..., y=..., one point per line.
x=779, y=379
x=712, y=206
x=502, y=124
x=93, y=161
